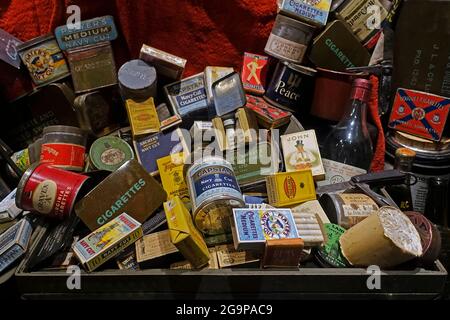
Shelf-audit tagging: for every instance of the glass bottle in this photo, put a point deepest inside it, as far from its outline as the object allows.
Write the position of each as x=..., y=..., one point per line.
x=349, y=142
x=437, y=207
x=401, y=193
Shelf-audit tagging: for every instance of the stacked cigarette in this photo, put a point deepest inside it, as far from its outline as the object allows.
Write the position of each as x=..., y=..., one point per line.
x=309, y=229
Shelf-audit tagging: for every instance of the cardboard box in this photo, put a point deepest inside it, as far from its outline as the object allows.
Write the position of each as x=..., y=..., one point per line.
x=184, y=235
x=290, y=188
x=254, y=72
x=315, y=12
x=172, y=176
x=228, y=257
x=14, y=243
x=129, y=189
x=8, y=209
x=301, y=152
x=143, y=117
x=108, y=241
x=420, y=113
x=186, y=265
x=251, y=228
x=156, y=250
x=166, y=64
x=283, y=253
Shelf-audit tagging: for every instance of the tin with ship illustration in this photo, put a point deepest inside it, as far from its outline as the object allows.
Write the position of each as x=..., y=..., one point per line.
x=64, y=147
x=214, y=192
x=50, y=191
x=289, y=39
x=291, y=87
x=92, y=67
x=44, y=60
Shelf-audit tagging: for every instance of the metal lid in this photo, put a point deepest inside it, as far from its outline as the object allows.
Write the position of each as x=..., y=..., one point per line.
x=294, y=23
x=405, y=153
x=35, y=41
x=299, y=68
x=23, y=181
x=137, y=75
x=62, y=129
x=109, y=153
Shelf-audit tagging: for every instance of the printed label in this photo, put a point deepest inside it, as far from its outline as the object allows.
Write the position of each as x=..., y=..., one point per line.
x=211, y=181
x=254, y=72
x=315, y=10
x=336, y=172
x=285, y=48
x=64, y=155
x=276, y=225
x=419, y=193
x=112, y=157
x=355, y=208
x=143, y=117
x=44, y=196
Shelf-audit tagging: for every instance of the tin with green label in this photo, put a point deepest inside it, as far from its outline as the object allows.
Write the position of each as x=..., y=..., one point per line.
x=330, y=255
x=109, y=153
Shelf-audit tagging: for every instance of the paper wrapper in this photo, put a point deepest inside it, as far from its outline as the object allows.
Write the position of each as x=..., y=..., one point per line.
x=385, y=239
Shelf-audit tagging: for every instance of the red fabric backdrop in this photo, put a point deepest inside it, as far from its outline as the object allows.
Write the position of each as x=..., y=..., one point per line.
x=205, y=32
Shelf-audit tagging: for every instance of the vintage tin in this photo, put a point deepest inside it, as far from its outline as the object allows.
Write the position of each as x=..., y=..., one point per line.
x=50, y=191
x=337, y=48
x=166, y=64
x=291, y=87
x=14, y=243
x=348, y=209
x=314, y=12
x=254, y=72
x=90, y=32
x=109, y=153
x=95, y=114
x=137, y=80
x=356, y=14
x=129, y=189
x=188, y=95
x=44, y=60
x=153, y=147
x=268, y=116
x=290, y=188
x=252, y=228
x=142, y=116
x=330, y=254
x=228, y=94
x=214, y=192
x=172, y=177
x=419, y=113
x=92, y=67
x=64, y=147
x=107, y=241
x=429, y=235
x=184, y=235
x=301, y=152
x=212, y=74
x=289, y=39
x=338, y=86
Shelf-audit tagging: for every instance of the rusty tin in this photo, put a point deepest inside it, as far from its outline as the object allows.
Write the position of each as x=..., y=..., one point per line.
x=92, y=67
x=44, y=60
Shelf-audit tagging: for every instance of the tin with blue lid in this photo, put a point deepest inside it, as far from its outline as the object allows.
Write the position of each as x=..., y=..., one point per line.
x=137, y=80
x=291, y=87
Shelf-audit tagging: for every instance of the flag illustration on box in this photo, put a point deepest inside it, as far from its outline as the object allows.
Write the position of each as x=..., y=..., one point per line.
x=420, y=113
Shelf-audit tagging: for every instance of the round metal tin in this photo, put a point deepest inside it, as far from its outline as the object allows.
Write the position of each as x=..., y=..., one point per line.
x=289, y=39
x=214, y=192
x=137, y=80
x=291, y=87
x=50, y=191
x=109, y=153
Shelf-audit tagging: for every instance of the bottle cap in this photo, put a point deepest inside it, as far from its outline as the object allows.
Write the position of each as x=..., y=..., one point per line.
x=361, y=89
x=362, y=83
x=405, y=153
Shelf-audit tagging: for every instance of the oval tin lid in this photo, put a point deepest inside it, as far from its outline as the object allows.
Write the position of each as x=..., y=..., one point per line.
x=137, y=75
x=109, y=153
x=330, y=254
